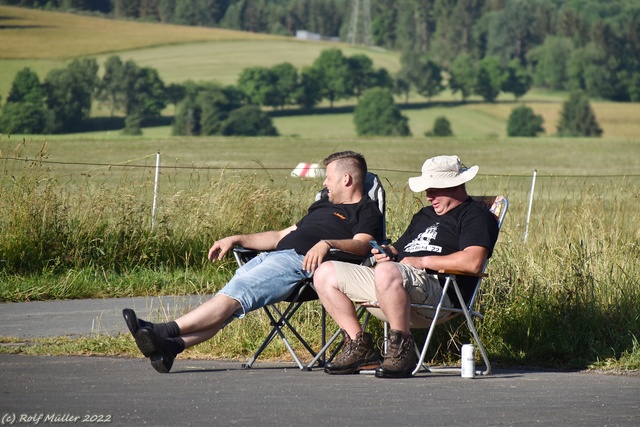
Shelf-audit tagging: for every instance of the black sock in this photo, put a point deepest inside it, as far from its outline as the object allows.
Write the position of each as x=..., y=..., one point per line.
x=173, y=329
x=165, y=330
x=175, y=344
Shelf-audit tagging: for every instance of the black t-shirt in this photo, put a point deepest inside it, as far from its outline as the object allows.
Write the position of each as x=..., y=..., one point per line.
x=469, y=224
x=326, y=221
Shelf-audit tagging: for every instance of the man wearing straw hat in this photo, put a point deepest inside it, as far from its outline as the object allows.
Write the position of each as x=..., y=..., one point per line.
x=453, y=233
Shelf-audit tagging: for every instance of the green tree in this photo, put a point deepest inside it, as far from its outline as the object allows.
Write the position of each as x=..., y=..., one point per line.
x=248, y=120
x=383, y=24
x=287, y=83
x=112, y=87
x=361, y=73
x=402, y=87
x=577, y=117
x=309, y=91
x=454, y=28
x=69, y=92
x=188, y=118
x=260, y=85
x=516, y=79
x=463, y=75
x=377, y=114
x=175, y=93
x=550, y=62
x=332, y=71
x=423, y=74
x=511, y=31
x=489, y=79
x=146, y=93
x=216, y=103
x=524, y=122
x=26, y=87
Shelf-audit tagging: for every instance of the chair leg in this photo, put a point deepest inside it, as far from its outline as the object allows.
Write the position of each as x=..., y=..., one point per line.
x=423, y=353
x=474, y=332
x=278, y=325
x=322, y=352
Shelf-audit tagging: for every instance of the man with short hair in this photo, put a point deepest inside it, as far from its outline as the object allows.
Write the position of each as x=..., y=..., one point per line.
x=346, y=220
x=453, y=233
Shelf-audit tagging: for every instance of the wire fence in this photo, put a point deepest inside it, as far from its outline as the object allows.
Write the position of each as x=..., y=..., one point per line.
x=528, y=193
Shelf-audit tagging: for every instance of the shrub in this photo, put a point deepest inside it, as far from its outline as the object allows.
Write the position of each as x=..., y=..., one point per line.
x=249, y=120
x=577, y=117
x=132, y=124
x=26, y=117
x=524, y=122
x=441, y=127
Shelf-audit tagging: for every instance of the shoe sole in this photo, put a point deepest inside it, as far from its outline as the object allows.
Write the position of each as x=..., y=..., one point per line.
x=131, y=320
x=366, y=367
x=148, y=345
x=379, y=374
x=146, y=342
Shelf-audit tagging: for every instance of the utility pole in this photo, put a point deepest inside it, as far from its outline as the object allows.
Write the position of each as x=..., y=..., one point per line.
x=360, y=23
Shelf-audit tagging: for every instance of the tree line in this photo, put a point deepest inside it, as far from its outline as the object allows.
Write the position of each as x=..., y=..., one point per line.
x=591, y=45
x=64, y=99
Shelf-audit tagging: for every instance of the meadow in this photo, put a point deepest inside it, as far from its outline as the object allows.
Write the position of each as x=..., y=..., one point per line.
x=566, y=297
x=75, y=210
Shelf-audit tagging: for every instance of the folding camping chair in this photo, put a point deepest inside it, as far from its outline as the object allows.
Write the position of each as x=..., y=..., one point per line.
x=304, y=291
x=498, y=206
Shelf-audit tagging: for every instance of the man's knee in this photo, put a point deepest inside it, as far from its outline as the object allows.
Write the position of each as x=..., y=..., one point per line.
x=387, y=277
x=325, y=277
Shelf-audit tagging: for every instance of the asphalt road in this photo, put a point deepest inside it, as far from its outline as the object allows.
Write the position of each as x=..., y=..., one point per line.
x=39, y=390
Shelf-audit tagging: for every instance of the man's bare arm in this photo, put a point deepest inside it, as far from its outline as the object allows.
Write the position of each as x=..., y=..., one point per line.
x=468, y=260
x=359, y=245
x=264, y=241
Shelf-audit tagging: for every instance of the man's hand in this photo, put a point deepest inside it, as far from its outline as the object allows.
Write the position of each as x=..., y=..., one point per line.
x=220, y=248
x=314, y=256
x=387, y=255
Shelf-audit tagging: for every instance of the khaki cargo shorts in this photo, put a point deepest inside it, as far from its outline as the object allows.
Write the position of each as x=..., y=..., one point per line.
x=357, y=282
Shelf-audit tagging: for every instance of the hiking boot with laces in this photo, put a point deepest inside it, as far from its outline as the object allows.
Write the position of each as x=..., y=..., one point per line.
x=400, y=359
x=357, y=354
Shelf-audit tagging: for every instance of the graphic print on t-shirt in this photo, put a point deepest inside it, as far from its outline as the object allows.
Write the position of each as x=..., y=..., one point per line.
x=422, y=243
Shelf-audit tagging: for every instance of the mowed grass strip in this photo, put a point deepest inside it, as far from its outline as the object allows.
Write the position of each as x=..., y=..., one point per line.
x=36, y=34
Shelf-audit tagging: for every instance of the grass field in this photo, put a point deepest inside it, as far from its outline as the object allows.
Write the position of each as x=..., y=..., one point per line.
x=75, y=209
x=45, y=40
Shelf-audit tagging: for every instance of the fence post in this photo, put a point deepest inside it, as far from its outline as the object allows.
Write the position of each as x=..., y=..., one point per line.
x=533, y=185
x=155, y=192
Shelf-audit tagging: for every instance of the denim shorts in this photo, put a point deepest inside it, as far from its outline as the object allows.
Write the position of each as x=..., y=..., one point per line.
x=266, y=279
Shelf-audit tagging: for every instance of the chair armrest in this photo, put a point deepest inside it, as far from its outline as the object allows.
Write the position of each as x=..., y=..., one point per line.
x=338, y=255
x=462, y=273
x=243, y=250
x=245, y=254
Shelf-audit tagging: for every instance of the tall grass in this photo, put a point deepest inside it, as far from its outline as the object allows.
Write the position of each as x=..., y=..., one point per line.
x=565, y=297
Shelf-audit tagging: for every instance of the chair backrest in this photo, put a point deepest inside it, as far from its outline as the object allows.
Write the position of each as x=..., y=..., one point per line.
x=374, y=189
x=498, y=206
